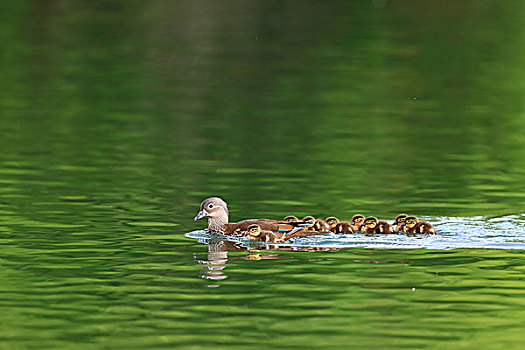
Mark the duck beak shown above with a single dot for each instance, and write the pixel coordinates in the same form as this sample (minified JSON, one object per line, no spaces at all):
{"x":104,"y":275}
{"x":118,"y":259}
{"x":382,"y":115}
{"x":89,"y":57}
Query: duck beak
{"x":200,"y":215}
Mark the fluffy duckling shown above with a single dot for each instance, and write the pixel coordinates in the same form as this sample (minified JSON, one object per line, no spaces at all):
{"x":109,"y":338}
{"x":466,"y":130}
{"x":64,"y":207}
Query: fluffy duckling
{"x":343,"y":227}
{"x":217,"y":212}
{"x":332,"y":222}
{"x":291,"y":218}
{"x":398,"y":223}
{"x":357,"y":222}
{"x":413,"y":225}
{"x":318,"y":224}
{"x":255,"y":233}
{"x":321,"y":226}
{"x":372,"y":225}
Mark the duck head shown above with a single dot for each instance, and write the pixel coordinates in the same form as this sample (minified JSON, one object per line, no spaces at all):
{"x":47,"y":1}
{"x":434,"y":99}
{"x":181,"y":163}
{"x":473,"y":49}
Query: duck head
{"x":254,"y":231}
{"x":217,"y":212}
{"x":410,"y":221}
{"x":332,"y":221}
{"x":400,"y":219}
{"x":358,"y":219}
{"x":310,"y":220}
{"x":370,"y":222}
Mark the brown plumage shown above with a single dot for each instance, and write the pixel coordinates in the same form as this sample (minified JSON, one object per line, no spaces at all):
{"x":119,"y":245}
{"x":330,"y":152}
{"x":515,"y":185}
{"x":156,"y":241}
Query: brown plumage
{"x":321,"y":226}
{"x":332,"y":221}
{"x":357,"y":221}
{"x":372,"y":225}
{"x":217,"y":212}
{"x":413,"y":225}
{"x":398,"y":223}
{"x":343,"y":227}
{"x":303,"y":233}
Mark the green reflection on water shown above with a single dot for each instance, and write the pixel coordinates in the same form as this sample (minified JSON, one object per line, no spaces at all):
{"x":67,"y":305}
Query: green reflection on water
{"x":118,"y":118}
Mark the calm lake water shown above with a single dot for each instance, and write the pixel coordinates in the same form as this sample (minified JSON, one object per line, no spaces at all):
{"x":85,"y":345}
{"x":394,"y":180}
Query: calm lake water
{"x":119,"y":117}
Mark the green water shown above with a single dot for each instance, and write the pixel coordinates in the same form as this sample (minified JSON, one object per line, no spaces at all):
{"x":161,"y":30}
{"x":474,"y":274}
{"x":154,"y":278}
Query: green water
{"x":119,"y":117}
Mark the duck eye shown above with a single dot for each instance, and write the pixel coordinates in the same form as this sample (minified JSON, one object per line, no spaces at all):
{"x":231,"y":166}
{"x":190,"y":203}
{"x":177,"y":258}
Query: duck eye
{"x":210,"y":206}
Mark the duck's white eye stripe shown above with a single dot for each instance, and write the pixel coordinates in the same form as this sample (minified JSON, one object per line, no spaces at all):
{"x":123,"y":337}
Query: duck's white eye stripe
{"x":210,"y":206}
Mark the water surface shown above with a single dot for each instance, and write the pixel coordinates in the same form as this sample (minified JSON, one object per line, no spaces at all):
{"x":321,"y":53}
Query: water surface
{"x":119,"y":117}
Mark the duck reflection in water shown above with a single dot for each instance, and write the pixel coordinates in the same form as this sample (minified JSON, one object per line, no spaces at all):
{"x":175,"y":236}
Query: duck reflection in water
{"x":217,"y":257}
{"x":216,"y":260}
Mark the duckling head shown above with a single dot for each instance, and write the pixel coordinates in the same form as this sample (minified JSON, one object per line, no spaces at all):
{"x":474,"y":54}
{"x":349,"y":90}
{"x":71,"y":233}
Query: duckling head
{"x":358,"y":219}
{"x":332,"y":221}
{"x":370,"y":222}
{"x":254,"y":231}
{"x":291,"y":218}
{"x":310,"y":220}
{"x":400,"y":218}
{"x":410,"y":221}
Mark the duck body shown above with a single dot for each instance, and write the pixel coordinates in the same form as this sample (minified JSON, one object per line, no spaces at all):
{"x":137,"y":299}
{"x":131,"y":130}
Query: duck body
{"x":425,"y":228}
{"x":303,"y":233}
{"x":255,"y":233}
{"x":384,"y":227}
{"x":321,"y":226}
{"x":343,"y":227}
{"x":240,"y":228}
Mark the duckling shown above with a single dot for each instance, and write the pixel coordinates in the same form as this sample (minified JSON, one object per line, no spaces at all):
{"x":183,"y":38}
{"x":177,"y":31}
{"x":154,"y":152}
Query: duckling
{"x":317,"y":225}
{"x":372,"y":225}
{"x":400,"y":219}
{"x":357,"y":222}
{"x":321,"y":226}
{"x":343,"y":227}
{"x":332,"y":222}
{"x":255,"y":233}
{"x":291,"y":218}
{"x":413,"y":225}
{"x":217,"y":212}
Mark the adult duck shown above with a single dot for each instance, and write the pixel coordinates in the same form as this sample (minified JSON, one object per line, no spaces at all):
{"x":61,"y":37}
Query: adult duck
{"x":216,"y":210}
